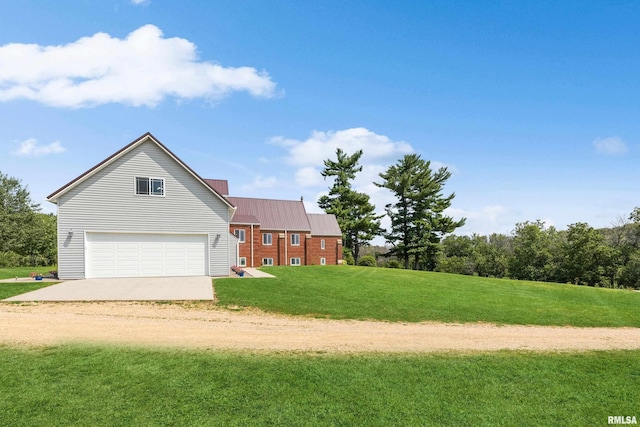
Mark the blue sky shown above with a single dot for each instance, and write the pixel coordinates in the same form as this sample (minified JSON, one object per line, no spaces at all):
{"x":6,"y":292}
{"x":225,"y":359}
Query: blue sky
{"x":533,"y":106}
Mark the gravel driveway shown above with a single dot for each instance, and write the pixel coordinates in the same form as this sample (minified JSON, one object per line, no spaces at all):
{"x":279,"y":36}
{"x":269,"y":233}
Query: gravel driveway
{"x":204,"y":326}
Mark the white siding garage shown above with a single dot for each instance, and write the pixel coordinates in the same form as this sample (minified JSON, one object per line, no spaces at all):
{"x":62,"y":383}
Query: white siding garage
{"x":145,"y":255}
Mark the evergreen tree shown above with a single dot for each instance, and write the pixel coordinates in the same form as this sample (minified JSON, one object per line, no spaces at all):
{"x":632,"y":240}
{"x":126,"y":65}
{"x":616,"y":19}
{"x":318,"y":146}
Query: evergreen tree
{"x":353,"y":210}
{"x":417,"y":220}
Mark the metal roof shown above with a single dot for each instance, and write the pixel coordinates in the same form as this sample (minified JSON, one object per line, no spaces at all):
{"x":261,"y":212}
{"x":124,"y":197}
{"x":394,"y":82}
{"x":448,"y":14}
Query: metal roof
{"x":324,"y":225}
{"x":220,"y":185}
{"x":273,"y":214}
{"x":244,"y":219}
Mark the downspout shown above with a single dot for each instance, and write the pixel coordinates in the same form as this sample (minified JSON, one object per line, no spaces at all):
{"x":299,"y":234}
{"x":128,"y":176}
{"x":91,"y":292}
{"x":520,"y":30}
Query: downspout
{"x":286,"y":245}
{"x":252,"y":245}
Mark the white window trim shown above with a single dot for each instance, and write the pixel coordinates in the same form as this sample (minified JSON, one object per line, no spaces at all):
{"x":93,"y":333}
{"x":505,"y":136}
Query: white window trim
{"x":268,"y":263}
{"x":240,"y":231}
{"x":298,"y":238}
{"x":135,"y":186}
{"x":242,"y":261}
{"x":322,"y":244}
{"x":270,"y":239}
{"x":323,"y":261}
{"x":298,"y":262}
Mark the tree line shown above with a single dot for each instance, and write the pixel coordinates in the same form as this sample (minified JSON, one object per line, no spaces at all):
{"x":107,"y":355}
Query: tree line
{"x":581,"y":254}
{"x":420,"y":236}
{"x":27,"y":236}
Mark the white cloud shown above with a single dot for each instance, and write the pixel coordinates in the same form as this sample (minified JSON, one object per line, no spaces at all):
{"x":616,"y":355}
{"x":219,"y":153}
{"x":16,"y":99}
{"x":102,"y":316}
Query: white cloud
{"x":610,"y":146}
{"x":142,"y":69}
{"x":309,"y":177}
{"x":30,"y":148}
{"x":487,"y":220}
{"x":322,"y":145}
{"x":140,"y":2}
{"x":260,"y":182}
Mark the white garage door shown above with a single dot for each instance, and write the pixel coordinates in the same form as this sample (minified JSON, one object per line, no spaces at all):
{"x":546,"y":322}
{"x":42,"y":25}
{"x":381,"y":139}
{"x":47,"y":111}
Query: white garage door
{"x":145,"y":255}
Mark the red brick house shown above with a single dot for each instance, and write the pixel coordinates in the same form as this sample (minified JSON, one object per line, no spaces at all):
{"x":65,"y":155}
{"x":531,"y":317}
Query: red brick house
{"x":280,"y":232}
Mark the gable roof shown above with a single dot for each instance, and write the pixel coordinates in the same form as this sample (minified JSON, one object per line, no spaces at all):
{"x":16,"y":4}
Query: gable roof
{"x":272,"y":214}
{"x":244,"y":219}
{"x":220,"y":185}
{"x":147,"y":137}
{"x":324,"y":225}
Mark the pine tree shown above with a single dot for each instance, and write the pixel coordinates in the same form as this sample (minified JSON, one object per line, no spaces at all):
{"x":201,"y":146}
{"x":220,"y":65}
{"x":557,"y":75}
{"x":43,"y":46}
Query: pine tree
{"x":417,"y":220}
{"x":353,"y":210}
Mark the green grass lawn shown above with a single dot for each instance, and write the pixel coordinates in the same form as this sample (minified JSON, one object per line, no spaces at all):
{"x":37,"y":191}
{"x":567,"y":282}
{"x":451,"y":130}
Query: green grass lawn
{"x":85,"y":385}
{"x":342,"y":292}
{"x":10,"y":289}
{"x":13,"y":272}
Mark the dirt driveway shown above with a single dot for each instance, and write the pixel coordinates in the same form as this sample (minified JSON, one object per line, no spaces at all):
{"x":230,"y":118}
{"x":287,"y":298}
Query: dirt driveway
{"x":215,"y":328}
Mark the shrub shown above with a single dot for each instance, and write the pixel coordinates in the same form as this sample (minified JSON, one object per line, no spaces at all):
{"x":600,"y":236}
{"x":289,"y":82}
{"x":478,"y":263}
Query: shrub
{"x":347,"y":257}
{"x":367,"y":261}
{"x":10,"y":259}
{"x":393,"y":263}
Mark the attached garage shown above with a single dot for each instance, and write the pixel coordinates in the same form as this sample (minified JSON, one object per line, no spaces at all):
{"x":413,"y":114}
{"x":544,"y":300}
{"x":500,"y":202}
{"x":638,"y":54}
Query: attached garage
{"x":145,"y":255}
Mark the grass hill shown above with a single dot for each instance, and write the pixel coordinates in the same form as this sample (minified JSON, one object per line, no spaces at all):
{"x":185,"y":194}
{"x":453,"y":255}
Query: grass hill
{"x":347,"y":292}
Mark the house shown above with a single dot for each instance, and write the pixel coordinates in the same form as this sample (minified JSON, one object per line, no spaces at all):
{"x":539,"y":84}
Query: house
{"x":142,"y":212}
{"x":280,"y":232}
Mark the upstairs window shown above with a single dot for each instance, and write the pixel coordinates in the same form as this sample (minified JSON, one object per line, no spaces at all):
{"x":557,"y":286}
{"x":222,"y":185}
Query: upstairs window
{"x":149,"y":186}
{"x":295,"y":240}
{"x":239,"y":234}
{"x":322,"y":244}
{"x":266,"y":239}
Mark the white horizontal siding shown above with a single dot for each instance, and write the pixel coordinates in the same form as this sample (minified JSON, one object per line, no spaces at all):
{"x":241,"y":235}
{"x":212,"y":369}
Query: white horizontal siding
{"x":106,"y":201}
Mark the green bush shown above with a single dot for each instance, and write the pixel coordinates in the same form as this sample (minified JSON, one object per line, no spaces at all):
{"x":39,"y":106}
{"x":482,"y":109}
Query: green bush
{"x":393,"y":263}
{"x":347,"y":257}
{"x":10,"y":259}
{"x":367,"y":261}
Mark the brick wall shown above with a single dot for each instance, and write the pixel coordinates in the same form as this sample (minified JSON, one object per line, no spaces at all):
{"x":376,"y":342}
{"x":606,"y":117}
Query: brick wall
{"x":332,"y":252}
{"x":309,"y":250}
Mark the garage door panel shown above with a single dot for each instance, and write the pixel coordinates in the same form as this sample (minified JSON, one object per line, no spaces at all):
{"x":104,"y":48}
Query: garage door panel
{"x":145,"y":255}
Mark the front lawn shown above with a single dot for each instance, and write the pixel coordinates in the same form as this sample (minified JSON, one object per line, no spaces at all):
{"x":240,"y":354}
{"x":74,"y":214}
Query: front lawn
{"x":13,"y":272}
{"x":10,"y":289}
{"x":342,"y":292}
{"x":85,"y":385}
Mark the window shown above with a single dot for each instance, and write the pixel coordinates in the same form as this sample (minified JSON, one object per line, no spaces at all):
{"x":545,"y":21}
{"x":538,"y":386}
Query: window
{"x":267,"y":261}
{"x":322,"y":244}
{"x":149,"y":186}
{"x":266,"y":238}
{"x":243,"y":261}
{"x":295,"y":261}
{"x":295,"y":240}
{"x":239,"y":233}
{"x":323,"y":261}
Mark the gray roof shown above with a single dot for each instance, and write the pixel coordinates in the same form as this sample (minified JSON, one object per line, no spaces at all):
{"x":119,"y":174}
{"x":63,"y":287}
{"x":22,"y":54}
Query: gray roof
{"x":324,"y":225}
{"x":272,"y":214}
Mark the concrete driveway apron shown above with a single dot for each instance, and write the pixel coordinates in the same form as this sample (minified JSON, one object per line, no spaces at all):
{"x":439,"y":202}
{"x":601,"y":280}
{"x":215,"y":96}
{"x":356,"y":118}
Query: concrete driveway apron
{"x":124,"y":289}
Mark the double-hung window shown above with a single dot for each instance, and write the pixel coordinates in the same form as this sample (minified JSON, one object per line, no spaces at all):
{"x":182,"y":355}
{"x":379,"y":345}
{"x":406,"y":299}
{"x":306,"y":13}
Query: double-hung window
{"x":149,"y":186}
{"x":239,"y":233}
{"x":266,"y":239}
{"x":295,"y":240}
